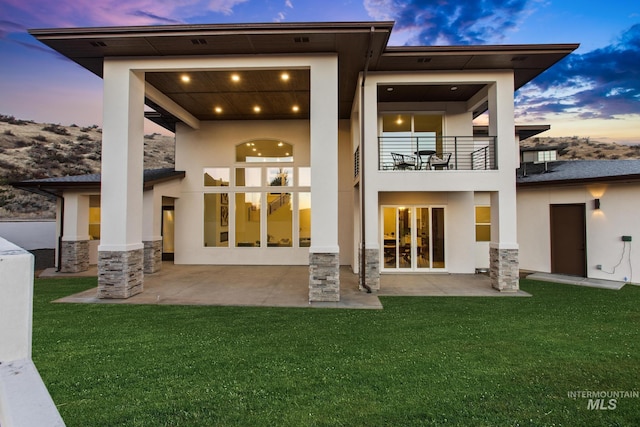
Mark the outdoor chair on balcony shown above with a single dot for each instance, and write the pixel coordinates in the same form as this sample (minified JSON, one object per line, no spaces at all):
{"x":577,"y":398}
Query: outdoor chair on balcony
{"x":403,"y":162}
{"x":436,"y":162}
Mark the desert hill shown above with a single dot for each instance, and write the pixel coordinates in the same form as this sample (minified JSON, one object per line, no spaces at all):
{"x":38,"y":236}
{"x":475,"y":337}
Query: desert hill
{"x":30,"y":150}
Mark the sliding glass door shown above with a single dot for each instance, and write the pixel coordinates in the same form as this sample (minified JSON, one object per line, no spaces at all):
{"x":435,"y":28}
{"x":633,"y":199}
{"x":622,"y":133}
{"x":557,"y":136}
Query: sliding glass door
{"x":413,"y":238}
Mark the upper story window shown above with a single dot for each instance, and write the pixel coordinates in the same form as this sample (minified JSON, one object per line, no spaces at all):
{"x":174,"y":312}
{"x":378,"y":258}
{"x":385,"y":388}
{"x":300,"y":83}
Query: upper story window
{"x":412,"y":125}
{"x":264,"y":150}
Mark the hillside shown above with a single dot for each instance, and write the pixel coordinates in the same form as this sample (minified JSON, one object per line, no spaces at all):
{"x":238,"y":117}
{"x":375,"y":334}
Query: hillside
{"x":574,"y":148}
{"x":30,"y":150}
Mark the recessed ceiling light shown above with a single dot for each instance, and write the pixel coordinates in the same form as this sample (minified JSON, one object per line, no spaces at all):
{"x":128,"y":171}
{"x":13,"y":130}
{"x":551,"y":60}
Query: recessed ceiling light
{"x":454,"y":87}
{"x":295,"y":108}
{"x":280,"y":144}
{"x":218,"y":110}
{"x":185,"y":78}
{"x":286,"y":154}
{"x":254,"y":149}
{"x":389,"y":89}
{"x":256,"y":109}
{"x":235,"y":77}
{"x":284,"y":76}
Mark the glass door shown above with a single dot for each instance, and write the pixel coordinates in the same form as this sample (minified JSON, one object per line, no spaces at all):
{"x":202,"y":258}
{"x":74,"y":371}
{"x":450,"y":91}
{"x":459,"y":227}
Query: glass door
{"x":413,"y":238}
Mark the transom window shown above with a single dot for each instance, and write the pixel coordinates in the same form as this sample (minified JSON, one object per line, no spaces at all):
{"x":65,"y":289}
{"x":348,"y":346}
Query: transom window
{"x":264,"y":150}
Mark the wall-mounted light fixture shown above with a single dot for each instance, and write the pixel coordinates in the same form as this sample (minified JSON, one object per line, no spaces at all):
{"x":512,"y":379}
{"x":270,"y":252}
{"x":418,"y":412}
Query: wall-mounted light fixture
{"x":596,"y":204}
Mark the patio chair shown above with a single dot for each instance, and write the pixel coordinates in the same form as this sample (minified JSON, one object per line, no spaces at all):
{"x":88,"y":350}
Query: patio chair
{"x":436,"y":162}
{"x":403,"y":162}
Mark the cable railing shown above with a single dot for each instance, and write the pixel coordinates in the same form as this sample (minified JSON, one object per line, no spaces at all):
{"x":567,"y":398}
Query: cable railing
{"x":437,"y":153}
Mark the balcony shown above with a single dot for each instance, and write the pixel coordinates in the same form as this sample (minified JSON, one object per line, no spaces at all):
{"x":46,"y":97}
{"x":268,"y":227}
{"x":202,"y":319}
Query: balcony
{"x":412,"y":153}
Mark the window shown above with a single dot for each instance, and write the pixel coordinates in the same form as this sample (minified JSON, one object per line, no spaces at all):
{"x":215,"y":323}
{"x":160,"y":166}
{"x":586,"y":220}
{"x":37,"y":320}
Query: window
{"x":483,"y":223}
{"x":262,"y":205}
{"x":94,"y":217}
{"x":264,"y":150}
{"x":216,"y":177}
{"x":216,"y":219}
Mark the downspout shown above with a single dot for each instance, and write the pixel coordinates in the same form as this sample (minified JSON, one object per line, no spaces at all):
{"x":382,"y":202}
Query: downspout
{"x":363,"y":261}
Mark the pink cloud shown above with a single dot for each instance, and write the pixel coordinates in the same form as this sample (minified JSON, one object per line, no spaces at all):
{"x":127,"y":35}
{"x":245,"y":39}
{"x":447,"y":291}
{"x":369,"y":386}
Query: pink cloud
{"x":79,"y":13}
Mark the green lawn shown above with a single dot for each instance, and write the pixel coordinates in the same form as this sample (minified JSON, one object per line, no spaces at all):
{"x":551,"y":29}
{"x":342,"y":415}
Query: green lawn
{"x":420,"y":361}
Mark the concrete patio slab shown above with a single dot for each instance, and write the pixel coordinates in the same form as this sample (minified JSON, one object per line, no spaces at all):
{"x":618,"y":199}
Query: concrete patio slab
{"x":280,"y":286}
{"x":579,"y":281}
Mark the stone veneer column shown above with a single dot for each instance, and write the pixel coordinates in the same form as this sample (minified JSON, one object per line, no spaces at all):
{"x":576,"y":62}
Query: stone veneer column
{"x":152,"y":256}
{"x":372,"y":269}
{"x":74,"y":256}
{"x":504,"y":271}
{"x":324,"y":277}
{"x":120,"y":273}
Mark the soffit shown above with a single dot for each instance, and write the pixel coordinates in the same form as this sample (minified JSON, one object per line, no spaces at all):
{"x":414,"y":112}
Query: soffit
{"x":526,"y":61}
{"x":350,"y":41}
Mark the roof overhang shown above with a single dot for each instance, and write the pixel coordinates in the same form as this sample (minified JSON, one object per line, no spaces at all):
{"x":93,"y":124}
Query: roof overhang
{"x":353,"y":42}
{"x":57,"y":186}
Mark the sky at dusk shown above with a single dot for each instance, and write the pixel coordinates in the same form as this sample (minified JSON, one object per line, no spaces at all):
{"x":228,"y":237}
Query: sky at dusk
{"x":594,"y":93}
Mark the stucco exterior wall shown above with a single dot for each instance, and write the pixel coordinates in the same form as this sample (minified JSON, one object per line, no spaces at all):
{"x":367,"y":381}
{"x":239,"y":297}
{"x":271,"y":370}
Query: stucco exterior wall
{"x":604,"y":227}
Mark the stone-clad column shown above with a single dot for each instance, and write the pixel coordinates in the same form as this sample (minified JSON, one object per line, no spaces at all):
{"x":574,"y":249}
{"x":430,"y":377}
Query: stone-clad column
{"x":121,"y":252}
{"x":324,"y":262}
{"x":504,"y":271}
{"x":74,"y":248}
{"x":75,"y":256}
{"x":152,"y":256}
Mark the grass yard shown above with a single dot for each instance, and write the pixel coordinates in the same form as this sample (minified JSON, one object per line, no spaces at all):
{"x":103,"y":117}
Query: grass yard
{"x":420,"y":361}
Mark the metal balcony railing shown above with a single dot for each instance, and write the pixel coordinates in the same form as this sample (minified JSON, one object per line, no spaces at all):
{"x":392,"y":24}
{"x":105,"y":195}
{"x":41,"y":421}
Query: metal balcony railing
{"x":437,"y":153}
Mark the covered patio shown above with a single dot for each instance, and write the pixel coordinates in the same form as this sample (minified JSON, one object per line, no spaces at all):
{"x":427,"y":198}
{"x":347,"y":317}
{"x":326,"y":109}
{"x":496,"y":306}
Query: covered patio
{"x":279,"y":286}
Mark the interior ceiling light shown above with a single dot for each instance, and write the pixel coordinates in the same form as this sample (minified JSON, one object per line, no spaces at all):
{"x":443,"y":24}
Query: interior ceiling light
{"x":280,"y":144}
{"x":389,"y":89}
{"x":257,"y":109}
{"x":218,"y":110}
{"x":235,"y":77}
{"x":185,"y":78}
{"x":454,"y":87}
{"x":295,"y":108}
{"x":284,"y":76}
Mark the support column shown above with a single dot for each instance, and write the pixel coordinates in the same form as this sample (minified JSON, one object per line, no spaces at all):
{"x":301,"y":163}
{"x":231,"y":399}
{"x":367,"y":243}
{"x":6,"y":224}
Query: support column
{"x":151,"y":237}
{"x":370,"y":208}
{"x":75,"y":241}
{"x":121,"y":253}
{"x":324,"y":261}
{"x":503,"y":250}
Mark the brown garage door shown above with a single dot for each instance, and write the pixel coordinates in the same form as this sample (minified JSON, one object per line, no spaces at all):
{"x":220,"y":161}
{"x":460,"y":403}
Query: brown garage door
{"x":568,"y":255}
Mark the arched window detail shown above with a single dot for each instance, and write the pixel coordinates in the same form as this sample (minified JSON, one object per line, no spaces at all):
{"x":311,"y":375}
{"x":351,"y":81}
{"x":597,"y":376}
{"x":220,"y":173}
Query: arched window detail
{"x":264,"y":150}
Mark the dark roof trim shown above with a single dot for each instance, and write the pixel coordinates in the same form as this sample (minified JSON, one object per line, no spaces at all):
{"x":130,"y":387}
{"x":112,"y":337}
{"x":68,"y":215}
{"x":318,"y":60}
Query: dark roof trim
{"x":53,"y":186}
{"x":515,"y":49}
{"x":213,"y":29}
{"x":580,"y":181}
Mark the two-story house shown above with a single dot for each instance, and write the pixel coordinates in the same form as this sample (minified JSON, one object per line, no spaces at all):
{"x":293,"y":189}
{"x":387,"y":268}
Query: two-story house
{"x":300,"y":143}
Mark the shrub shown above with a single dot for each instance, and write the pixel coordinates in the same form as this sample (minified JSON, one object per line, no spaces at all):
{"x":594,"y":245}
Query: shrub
{"x":40,"y":138}
{"x":8,"y":132}
{"x":57,"y":129}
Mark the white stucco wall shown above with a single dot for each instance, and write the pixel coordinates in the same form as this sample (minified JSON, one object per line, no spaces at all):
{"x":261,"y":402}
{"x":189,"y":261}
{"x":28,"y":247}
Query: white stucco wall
{"x":605,"y":227}
{"x":24,"y":399}
{"x":30,"y":235}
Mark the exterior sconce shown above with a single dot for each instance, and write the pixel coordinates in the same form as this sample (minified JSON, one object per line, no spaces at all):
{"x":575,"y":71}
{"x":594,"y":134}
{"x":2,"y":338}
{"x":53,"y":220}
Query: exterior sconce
{"x":596,"y":204}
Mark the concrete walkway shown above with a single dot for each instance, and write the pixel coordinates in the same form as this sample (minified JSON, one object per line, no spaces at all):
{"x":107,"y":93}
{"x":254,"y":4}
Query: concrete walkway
{"x":280,"y":286}
{"x":574,"y":280}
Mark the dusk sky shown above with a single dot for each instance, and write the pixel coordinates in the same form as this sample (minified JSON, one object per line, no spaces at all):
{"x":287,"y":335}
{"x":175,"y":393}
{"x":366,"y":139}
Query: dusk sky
{"x":593,"y":93}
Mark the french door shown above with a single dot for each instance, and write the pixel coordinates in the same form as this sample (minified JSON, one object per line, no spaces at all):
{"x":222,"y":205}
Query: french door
{"x":413,"y":238}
